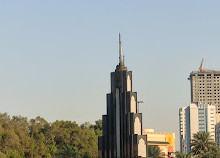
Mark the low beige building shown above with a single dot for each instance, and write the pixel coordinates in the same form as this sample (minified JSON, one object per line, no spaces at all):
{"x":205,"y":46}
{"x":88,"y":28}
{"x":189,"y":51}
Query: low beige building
{"x":165,"y":141}
{"x":217,"y":117}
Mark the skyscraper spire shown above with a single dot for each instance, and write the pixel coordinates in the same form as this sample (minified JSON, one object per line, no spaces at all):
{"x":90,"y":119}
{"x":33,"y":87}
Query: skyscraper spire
{"x":120,"y":49}
{"x":121,"y":65}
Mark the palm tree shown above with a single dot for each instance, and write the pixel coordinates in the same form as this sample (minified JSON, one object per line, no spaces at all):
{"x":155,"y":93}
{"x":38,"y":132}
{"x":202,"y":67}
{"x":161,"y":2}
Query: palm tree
{"x":183,"y":155}
{"x":213,"y":152}
{"x":154,"y":152}
{"x":202,"y":143}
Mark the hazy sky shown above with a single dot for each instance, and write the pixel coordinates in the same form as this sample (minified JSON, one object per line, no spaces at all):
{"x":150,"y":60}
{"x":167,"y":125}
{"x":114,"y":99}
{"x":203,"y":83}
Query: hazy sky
{"x":56,"y":56}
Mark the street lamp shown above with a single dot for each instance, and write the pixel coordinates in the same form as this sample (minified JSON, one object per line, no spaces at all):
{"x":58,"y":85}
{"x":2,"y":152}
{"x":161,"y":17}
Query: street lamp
{"x":138,"y":105}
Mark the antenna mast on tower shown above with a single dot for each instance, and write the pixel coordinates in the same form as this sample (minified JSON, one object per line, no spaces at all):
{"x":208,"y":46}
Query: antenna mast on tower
{"x":120,"y":49}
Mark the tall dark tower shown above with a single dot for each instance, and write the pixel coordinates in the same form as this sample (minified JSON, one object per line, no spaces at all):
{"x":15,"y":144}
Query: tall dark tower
{"x":122,"y":126}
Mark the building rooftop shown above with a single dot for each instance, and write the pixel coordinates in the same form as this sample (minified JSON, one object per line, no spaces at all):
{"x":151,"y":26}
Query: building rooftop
{"x":151,"y":131}
{"x":157,"y":142}
{"x":206,"y":71}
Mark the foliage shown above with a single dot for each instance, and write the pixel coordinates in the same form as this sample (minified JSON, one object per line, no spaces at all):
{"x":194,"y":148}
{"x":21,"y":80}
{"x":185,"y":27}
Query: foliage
{"x":183,"y":155}
{"x":204,"y":146}
{"x":154,"y":152}
{"x":68,"y":151}
{"x":20,"y":138}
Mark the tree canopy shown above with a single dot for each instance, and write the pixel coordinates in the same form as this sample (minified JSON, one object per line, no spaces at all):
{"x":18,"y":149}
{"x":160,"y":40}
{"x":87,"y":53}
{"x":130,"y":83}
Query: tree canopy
{"x":202,"y":146}
{"x":154,"y":152}
{"x":37,"y":138}
{"x":183,"y":155}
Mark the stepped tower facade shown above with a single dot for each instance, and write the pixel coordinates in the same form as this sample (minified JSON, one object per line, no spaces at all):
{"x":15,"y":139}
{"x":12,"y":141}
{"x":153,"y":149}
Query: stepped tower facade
{"x":122,"y":126}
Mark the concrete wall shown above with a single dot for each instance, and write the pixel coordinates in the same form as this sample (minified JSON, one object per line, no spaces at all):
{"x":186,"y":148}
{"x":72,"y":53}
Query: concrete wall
{"x":182,"y":128}
{"x":211,"y":120}
{"x":192,"y":125}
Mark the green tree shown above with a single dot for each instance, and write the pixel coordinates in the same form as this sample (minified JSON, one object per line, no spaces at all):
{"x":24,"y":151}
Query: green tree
{"x":68,"y":151}
{"x":213,"y":152}
{"x":37,"y":138}
{"x":154,"y":152}
{"x":98,"y":125}
{"x":36,"y":126}
{"x":13,"y":154}
{"x":88,"y":146}
{"x":202,"y":144}
{"x":183,"y":155}
{"x":2,"y":155}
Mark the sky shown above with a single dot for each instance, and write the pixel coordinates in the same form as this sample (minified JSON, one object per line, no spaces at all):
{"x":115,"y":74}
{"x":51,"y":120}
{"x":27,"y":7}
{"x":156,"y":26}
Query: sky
{"x":56,"y":56}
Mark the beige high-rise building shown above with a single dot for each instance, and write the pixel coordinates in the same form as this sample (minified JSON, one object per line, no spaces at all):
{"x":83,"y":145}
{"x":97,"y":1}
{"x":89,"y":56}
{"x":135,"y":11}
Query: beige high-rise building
{"x":195,"y":118}
{"x":205,"y":87}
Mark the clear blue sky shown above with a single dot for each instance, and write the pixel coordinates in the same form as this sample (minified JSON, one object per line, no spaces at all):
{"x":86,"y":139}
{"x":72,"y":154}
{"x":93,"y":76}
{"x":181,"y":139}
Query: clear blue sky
{"x":56,"y":56}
